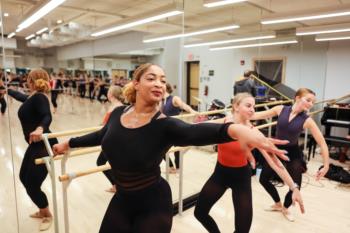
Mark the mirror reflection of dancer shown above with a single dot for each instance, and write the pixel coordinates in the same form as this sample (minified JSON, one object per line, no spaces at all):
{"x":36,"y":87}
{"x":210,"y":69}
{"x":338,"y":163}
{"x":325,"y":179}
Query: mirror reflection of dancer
{"x":2,"y":97}
{"x":135,"y":139}
{"x":116,"y":98}
{"x":234,"y":172}
{"x":292,"y":120}
{"x":173,"y":106}
{"x":35,"y":117}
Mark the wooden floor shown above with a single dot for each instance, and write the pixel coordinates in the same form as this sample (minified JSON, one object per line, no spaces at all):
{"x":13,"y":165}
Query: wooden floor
{"x":327,"y":203}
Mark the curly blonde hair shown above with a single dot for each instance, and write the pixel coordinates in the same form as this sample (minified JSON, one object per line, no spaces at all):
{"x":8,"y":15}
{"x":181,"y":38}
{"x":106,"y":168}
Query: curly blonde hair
{"x":129,"y":90}
{"x":40,"y":80}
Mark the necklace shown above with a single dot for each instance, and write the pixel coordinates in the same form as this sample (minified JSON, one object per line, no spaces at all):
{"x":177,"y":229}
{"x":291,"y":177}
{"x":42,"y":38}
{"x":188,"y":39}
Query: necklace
{"x":135,"y":119}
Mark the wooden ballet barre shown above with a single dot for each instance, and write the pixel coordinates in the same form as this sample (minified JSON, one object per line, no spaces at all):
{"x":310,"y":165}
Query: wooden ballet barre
{"x":275,"y":122}
{"x":84,"y":151}
{"x":74,"y":153}
{"x":73,"y":175}
{"x":72,"y":132}
{"x":229,"y":109}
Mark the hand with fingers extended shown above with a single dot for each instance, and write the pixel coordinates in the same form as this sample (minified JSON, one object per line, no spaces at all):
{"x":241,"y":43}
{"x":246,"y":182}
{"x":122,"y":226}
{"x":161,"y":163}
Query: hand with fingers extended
{"x":250,"y":138}
{"x":60,"y":148}
{"x":296,"y":197}
{"x":322,"y":172}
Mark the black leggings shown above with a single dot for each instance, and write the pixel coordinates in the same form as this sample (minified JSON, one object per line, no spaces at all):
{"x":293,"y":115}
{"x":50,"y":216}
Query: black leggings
{"x":54,"y":94}
{"x":177,"y":160}
{"x":32,"y":176}
{"x":3,"y":104}
{"x":239,"y":180}
{"x":102,"y":160}
{"x":146,"y":210}
{"x":295,"y":168}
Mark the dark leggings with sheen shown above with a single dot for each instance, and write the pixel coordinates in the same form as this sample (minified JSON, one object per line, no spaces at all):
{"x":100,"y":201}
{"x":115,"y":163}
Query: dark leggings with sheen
{"x":3,"y":105}
{"x":142,"y":211}
{"x":295,"y":169}
{"x":32,"y":176}
{"x":239,"y":181}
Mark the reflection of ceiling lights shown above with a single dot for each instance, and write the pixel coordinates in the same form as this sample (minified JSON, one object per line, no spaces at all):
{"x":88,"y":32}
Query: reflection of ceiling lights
{"x":235,"y":39}
{"x":302,"y":16}
{"x":30,"y":37}
{"x":216,"y":3}
{"x":40,"y":13}
{"x":151,"y":16}
{"x":12,"y":34}
{"x":59,"y":21}
{"x":193,"y":33}
{"x":336,"y":36}
{"x":345,"y":27}
{"x":270,"y":43}
{"x":6,"y":14}
{"x":42,"y":30}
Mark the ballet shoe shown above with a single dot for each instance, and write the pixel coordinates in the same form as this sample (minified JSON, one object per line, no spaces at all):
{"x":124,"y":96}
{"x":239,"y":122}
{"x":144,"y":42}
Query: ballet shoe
{"x":36,"y":215}
{"x":45,"y":223}
{"x":273,"y":208}
{"x":288,"y":215}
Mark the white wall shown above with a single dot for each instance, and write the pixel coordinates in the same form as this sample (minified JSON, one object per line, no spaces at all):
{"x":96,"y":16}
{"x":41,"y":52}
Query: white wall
{"x":338,"y":69}
{"x":305,"y":66}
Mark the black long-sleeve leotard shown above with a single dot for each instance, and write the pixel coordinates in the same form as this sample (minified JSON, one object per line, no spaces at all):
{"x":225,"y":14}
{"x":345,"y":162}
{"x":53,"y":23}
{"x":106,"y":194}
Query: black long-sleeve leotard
{"x":34,"y":112}
{"x":135,"y":154}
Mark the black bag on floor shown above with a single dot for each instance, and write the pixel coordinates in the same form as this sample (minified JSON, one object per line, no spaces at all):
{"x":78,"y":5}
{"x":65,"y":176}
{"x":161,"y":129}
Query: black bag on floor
{"x":337,"y":173}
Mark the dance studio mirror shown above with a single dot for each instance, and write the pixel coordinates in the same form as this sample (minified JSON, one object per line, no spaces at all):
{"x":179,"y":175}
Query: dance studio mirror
{"x":203,"y":52}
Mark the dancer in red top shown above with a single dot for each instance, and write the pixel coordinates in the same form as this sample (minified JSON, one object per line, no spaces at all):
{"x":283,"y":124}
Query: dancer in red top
{"x":232,"y":171}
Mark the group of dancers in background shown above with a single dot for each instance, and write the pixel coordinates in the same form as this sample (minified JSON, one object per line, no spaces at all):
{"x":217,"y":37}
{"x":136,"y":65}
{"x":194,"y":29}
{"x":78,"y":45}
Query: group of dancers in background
{"x":136,"y":136}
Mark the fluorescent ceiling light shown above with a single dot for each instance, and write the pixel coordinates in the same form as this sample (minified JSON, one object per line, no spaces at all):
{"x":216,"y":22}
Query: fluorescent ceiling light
{"x":146,"y":18}
{"x":59,"y":21}
{"x":42,"y":30}
{"x":257,"y":36}
{"x":278,"y":18}
{"x":6,"y":14}
{"x":337,"y":36}
{"x":193,"y":33}
{"x":12,"y":34}
{"x":40,"y":13}
{"x":221,"y":3}
{"x":345,"y":27}
{"x":333,"y":38}
{"x":30,"y":37}
{"x":276,"y":42}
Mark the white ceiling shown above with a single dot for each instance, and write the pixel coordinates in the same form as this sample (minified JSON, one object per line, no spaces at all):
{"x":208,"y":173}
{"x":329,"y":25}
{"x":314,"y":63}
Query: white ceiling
{"x":97,"y":14}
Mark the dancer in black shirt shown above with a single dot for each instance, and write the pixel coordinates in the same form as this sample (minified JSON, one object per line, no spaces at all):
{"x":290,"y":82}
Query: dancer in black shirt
{"x":135,"y":139}
{"x":35,"y":117}
{"x":2,"y":97}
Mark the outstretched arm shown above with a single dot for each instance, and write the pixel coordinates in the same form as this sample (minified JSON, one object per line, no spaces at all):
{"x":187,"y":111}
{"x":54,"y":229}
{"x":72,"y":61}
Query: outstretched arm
{"x":316,"y":133}
{"x":275,"y":111}
{"x":17,"y":95}
{"x":177,"y":102}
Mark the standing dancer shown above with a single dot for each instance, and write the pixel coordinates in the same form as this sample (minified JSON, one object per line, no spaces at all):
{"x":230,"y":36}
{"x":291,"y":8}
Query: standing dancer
{"x":35,"y":117}
{"x":172,"y":106}
{"x":115,"y":96}
{"x":135,"y":139}
{"x":292,"y":120}
{"x":232,"y":171}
